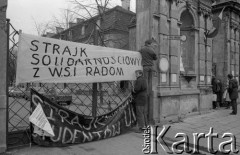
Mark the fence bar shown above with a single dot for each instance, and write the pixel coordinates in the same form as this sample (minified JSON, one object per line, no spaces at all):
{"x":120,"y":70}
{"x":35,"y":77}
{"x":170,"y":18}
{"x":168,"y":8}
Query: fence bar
{"x":94,"y":100}
{"x":94,"y":86}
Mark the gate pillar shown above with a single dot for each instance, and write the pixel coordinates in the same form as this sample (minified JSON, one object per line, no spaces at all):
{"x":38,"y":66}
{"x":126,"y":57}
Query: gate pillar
{"x":3,"y":77}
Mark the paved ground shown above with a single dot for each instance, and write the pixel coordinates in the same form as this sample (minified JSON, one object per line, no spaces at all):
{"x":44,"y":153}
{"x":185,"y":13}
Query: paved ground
{"x":131,"y":143}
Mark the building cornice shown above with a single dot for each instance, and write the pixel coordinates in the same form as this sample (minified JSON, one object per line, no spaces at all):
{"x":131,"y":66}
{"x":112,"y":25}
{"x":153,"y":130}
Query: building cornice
{"x":229,"y":5}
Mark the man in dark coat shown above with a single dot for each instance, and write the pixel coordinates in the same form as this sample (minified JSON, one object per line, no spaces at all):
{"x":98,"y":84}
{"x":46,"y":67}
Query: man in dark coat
{"x":220,"y":93}
{"x":216,"y":90}
{"x":233,"y":93}
{"x":148,"y":56}
{"x":140,"y":99}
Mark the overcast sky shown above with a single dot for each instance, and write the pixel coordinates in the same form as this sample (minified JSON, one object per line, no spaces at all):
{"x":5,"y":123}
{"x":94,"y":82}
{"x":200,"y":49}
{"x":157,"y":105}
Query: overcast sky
{"x":22,"y":13}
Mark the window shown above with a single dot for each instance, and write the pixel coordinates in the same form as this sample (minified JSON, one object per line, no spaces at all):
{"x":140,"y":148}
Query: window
{"x":70,"y":34}
{"x":98,"y":23}
{"x":83,"y":30}
{"x":61,"y":37}
{"x":188,"y":46}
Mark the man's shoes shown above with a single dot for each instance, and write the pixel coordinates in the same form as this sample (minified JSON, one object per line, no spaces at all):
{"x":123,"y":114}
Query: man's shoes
{"x":227,"y":107}
{"x":232,"y":113}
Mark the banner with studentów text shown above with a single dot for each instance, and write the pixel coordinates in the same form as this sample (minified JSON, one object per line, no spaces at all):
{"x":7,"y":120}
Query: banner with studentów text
{"x":72,"y":128}
{"x":42,"y":59}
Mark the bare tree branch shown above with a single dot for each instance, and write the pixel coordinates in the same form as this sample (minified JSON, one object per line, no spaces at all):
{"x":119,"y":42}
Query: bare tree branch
{"x":43,"y":27}
{"x":37,"y":26}
{"x":89,"y":37}
{"x":81,"y":8}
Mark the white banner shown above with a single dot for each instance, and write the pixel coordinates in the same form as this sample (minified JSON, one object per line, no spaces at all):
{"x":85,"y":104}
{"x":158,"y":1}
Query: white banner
{"x":48,"y":60}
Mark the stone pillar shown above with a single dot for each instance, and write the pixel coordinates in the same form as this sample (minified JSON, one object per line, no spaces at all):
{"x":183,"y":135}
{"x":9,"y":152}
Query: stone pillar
{"x":3,"y":76}
{"x":144,"y":18}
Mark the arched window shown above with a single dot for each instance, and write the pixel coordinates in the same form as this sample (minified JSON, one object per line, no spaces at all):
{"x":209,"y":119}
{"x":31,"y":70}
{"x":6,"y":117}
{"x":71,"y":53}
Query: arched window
{"x":188,"y":46}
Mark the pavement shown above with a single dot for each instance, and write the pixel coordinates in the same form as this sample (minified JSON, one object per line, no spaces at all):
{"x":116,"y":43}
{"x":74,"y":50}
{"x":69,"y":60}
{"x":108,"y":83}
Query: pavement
{"x":131,"y":143}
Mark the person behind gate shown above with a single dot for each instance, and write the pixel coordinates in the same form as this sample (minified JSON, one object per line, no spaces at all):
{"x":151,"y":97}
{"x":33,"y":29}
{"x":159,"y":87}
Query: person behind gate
{"x":140,"y":100}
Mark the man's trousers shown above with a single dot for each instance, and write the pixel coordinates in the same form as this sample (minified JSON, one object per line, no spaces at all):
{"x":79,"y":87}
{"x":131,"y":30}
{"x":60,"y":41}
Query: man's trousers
{"x":234,"y":106}
{"x":141,"y":112}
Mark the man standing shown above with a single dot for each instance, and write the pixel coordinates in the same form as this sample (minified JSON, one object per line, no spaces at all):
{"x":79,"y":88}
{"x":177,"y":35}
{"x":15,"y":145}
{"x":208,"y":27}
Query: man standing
{"x":233,"y":93}
{"x":220,"y":93}
{"x":216,"y":90}
{"x":140,"y":99}
{"x":148,"y":56}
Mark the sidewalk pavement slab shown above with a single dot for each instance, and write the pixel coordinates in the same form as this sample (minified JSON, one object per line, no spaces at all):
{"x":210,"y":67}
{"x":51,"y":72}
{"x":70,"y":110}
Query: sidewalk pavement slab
{"x":126,"y":144}
{"x":131,"y":143}
{"x":220,"y":120}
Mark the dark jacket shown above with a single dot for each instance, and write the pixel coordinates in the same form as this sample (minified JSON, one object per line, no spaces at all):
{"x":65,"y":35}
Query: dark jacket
{"x":233,"y":89}
{"x":140,"y":91}
{"x":216,"y":86}
{"x":148,"y":55}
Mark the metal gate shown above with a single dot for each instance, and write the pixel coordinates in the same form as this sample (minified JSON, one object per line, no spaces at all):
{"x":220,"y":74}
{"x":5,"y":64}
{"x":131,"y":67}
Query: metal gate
{"x":88,"y":99}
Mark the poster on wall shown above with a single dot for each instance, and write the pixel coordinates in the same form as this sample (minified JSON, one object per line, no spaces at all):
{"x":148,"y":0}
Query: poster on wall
{"x":42,"y":59}
{"x":72,"y":128}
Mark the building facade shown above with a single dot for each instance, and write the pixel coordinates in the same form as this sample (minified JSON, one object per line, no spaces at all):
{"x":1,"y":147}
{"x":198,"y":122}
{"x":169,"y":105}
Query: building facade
{"x":111,"y":26}
{"x":226,"y":43}
{"x":181,"y":82}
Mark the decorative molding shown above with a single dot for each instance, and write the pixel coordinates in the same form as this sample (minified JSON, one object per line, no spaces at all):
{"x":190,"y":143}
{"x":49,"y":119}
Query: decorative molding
{"x":204,"y":9}
{"x":205,"y":12}
{"x":177,"y":92}
{"x":227,"y":13}
{"x":191,"y":28}
{"x":179,"y":2}
{"x":179,"y":23}
{"x":188,"y":78}
{"x":234,"y":24}
{"x":188,"y":5}
{"x":156,"y":15}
